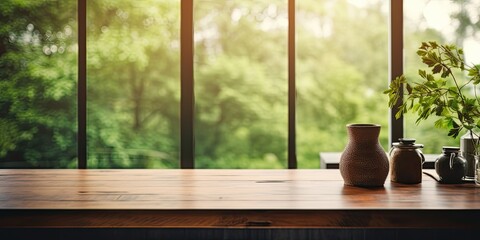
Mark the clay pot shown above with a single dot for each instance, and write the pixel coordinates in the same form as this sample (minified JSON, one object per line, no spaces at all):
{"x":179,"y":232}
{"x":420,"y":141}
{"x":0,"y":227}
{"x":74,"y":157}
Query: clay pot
{"x":406,"y":161}
{"x":364,"y":162}
{"x":450,"y":166}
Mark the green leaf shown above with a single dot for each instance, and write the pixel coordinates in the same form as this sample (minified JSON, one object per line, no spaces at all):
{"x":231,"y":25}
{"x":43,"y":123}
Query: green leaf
{"x":424,"y":46}
{"x":439,"y":123}
{"x":421,"y":52}
{"x":449,"y":122}
{"x":428,"y":61}
{"x":453,"y":132}
{"x":472,"y":72}
{"x":416,"y":107}
{"x":431,"y":84}
{"x":411,"y":105}
{"x":453,"y":104}
{"x":438,"y":110}
{"x":409,"y":88}
{"x":444,"y":123}
{"x":441,"y":82}
{"x":398,"y":114}
{"x":445,"y":72}
{"x":476,"y":80}
{"x":430,"y":77}
{"x":453,"y":90}
{"x":437,"y":68}
{"x":422,"y":73}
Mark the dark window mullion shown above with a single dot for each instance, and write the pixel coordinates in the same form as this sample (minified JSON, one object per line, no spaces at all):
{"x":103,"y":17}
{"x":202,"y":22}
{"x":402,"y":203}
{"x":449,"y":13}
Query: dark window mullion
{"x":396,"y":63}
{"x":292,"y":150}
{"x":82,"y":84}
{"x":187,"y":100}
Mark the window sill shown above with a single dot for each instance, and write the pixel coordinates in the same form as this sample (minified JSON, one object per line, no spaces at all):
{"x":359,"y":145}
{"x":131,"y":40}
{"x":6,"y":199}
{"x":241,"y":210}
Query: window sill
{"x":330,"y":160}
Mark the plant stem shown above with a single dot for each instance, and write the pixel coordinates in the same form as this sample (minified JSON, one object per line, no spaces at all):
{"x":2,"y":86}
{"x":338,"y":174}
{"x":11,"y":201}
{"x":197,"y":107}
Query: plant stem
{"x":475,"y":92}
{"x":456,"y":84}
{"x":449,"y":53}
{"x":475,"y":140}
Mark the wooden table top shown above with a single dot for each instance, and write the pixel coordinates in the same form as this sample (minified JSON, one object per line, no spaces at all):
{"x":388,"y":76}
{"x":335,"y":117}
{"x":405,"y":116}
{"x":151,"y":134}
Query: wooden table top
{"x":209,"y":198}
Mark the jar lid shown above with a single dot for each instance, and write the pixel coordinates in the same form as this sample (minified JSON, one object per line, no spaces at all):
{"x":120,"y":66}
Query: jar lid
{"x":407,"y":143}
{"x":450,"y":149}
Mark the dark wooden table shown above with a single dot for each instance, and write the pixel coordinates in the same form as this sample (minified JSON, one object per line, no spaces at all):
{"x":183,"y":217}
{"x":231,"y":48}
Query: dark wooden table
{"x":227,"y":199}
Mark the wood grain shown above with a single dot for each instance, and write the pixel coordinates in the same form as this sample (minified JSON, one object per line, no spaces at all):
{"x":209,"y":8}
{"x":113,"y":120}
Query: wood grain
{"x":227,"y":198}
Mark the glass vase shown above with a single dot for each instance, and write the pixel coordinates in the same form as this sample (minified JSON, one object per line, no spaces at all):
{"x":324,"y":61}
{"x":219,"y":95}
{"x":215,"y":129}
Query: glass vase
{"x":477,"y":169}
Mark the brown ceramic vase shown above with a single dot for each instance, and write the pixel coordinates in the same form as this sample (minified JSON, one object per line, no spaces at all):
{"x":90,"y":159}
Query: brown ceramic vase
{"x":364,"y":162}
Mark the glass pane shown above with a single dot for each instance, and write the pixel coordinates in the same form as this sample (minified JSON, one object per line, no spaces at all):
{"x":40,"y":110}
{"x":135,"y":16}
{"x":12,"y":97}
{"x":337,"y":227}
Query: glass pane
{"x":342,"y":70}
{"x":447,"y":22}
{"x":241,"y":83}
{"x":133,"y":83}
{"x":38,"y":77}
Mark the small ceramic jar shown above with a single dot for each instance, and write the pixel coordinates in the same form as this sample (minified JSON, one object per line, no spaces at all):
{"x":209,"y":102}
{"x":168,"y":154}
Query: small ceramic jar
{"x":406,"y":161}
{"x":450,"y":166}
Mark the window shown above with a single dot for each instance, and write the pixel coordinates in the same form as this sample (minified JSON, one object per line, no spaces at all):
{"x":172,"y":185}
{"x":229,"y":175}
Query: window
{"x":442,"y":21}
{"x":208,"y":83}
{"x":342,"y":67}
{"x":241,"y":83}
{"x":133,"y":79}
{"x":38,"y":78}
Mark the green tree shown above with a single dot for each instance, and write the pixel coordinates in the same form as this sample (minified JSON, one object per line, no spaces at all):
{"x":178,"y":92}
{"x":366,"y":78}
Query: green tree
{"x":418,"y":31}
{"x":133,"y":83}
{"x":241,"y":86}
{"x":37,"y":84}
{"x":336,"y":84}
{"x":240,"y":80}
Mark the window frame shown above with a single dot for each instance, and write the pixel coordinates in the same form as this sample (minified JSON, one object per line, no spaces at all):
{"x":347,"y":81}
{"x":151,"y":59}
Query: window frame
{"x":187,"y":101}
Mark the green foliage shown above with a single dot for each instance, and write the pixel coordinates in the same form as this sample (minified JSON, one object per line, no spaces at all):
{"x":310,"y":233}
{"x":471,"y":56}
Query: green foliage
{"x":440,"y":92}
{"x":37,"y":84}
{"x":240,"y":81}
{"x":232,"y":96}
{"x":133,"y":88}
{"x":336,"y":85}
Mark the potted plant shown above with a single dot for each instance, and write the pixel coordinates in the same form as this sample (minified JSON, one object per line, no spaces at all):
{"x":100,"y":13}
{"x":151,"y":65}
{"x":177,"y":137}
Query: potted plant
{"x":440,"y":92}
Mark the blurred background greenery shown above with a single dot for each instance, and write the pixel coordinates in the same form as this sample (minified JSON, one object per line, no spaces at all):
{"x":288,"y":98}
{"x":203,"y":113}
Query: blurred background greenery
{"x":241,"y":87}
